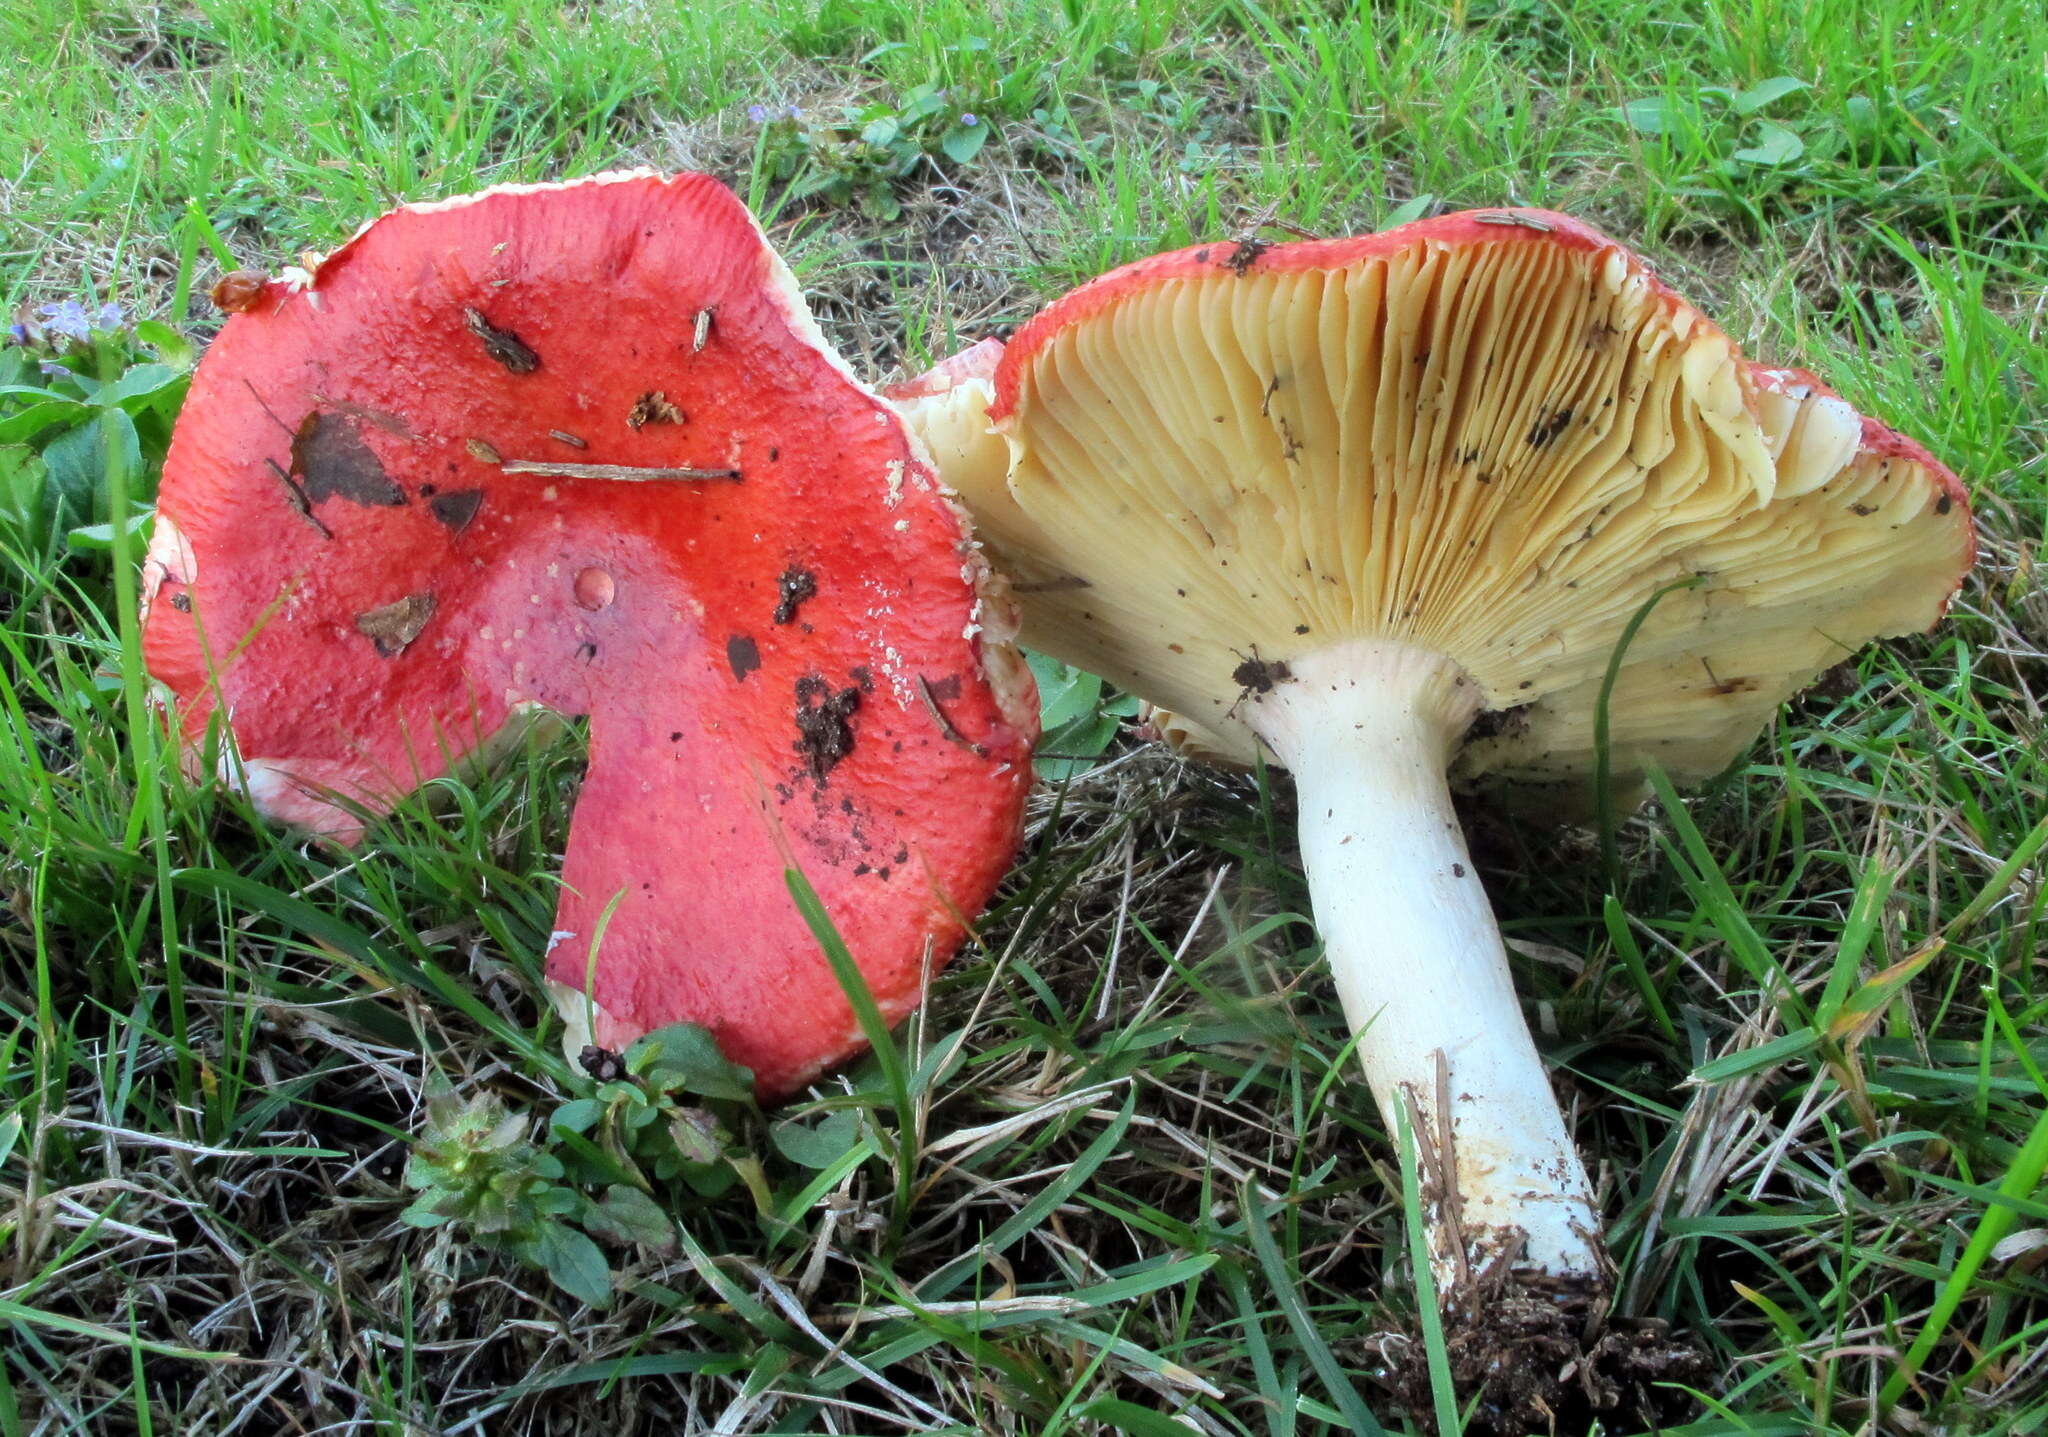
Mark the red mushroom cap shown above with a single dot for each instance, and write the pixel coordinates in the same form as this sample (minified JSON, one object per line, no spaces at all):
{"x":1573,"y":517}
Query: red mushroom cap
{"x":441,"y":484}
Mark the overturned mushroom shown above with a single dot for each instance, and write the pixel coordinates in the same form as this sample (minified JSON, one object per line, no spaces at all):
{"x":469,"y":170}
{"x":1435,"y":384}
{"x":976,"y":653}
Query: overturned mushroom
{"x":1382,"y":509}
{"x":491,"y":460}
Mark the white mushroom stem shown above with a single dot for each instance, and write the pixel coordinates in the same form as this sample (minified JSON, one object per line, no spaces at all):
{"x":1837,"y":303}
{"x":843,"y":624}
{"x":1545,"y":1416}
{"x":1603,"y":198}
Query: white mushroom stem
{"x":1368,"y":729}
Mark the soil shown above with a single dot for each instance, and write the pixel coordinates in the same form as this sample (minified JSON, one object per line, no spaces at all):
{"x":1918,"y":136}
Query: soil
{"x":796,"y":586}
{"x":1257,"y":675}
{"x":824,"y":734}
{"x":1542,"y":1356}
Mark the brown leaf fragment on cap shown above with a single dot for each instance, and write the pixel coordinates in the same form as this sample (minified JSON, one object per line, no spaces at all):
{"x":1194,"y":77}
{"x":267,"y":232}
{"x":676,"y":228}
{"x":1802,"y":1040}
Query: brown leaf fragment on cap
{"x":331,"y":460}
{"x":501,"y":344}
{"x":569,"y":439}
{"x":456,"y":507}
{"x":393,"y":626}
{"x":482,"y":452}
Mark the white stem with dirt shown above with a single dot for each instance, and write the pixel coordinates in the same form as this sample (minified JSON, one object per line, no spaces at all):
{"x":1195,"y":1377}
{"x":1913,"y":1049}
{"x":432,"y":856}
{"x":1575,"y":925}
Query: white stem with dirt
{"x":1368,"y":729}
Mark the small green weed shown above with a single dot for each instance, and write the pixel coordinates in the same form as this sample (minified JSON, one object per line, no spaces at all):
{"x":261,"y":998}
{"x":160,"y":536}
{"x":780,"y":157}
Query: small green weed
{"x":664,"y":1112}
{"x":64,"y":374}
{"x":1078,"y":717}
{"x":862,"y":153}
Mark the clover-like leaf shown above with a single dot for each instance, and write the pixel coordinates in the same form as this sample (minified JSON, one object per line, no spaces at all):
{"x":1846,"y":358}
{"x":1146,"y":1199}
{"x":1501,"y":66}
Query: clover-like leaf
{"x":1775,"y":145}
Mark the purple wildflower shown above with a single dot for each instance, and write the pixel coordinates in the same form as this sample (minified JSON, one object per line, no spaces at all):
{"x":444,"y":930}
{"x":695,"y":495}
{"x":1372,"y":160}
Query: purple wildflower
{"x":758,"y":114}
{"x":970,"y":119}
{"x":17,"y":334}
{"x":111,"y":316}
{"x":68,"y":319}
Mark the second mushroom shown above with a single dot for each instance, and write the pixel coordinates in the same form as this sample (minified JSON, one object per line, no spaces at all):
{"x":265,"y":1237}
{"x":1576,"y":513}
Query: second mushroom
{"x":1381,"y":510}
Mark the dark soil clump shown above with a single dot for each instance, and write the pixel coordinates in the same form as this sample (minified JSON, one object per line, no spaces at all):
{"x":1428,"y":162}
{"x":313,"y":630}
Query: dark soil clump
{"x":1545,"y":1360}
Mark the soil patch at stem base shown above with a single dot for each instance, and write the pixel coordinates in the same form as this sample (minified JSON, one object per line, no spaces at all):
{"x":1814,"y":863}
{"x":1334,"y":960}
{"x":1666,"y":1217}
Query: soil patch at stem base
{"x":1541,"y":1357}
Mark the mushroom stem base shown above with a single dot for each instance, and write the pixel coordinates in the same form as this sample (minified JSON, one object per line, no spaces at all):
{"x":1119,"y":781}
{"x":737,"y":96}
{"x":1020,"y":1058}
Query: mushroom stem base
{"x":1368,"y":729}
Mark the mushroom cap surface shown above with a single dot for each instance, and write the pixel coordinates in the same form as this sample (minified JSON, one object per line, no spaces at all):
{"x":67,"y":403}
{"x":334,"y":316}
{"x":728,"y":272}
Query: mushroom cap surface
{"x":392,"y":522}
{"x":1495,"y":435}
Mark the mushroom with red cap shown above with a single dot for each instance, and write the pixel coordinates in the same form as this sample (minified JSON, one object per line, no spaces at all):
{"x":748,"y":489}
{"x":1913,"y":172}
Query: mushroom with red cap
{"x":1382,"y":509}
{"x":580,"y":448}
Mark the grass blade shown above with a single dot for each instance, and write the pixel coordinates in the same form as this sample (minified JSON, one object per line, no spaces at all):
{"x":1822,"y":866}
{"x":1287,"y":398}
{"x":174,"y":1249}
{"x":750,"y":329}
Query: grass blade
{"x":1335,"y":1381}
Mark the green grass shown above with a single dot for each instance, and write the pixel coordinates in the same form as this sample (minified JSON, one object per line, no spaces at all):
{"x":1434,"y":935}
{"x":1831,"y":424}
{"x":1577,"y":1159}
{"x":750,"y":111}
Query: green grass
{"x":1124,"y":1122}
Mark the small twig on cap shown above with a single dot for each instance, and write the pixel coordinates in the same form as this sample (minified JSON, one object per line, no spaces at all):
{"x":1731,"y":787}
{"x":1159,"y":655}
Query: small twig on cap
{"x":1518,"y":221}
{"x":295,"y":495}
{"x":559,"y":470}
{"x":953,"y":735}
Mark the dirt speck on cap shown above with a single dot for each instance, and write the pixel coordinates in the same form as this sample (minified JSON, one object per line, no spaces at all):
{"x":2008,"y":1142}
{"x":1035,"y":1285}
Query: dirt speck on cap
{"x":1244,"y":254}
{"x":1260,"y":675}
{"x":796,"y":587}
{"x":824,"y":733}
